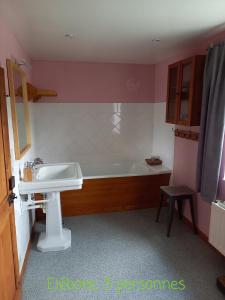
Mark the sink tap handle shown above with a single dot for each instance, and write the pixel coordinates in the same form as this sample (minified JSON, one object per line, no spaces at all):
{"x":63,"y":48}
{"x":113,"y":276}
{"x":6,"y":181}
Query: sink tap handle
{"x":35,"y":162}
{"x":38,"y":161}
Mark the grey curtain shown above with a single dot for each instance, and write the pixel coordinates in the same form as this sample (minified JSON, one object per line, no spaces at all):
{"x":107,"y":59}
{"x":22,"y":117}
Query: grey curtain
{"x":212,"y":123}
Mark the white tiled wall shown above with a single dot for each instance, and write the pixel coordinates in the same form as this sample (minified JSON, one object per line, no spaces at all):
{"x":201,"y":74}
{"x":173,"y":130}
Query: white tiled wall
{"x":163,"y":135}
{"x":95,"y":132}
{"x":98,"y":132}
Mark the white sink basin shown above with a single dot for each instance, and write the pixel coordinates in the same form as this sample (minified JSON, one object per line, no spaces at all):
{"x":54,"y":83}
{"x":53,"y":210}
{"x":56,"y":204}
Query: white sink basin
{"x":49,"y":178}
{"x":52,"y":179}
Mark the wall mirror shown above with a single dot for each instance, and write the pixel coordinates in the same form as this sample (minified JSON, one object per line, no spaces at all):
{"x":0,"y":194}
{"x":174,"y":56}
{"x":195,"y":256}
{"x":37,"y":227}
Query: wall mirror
{"x":20,"y":109}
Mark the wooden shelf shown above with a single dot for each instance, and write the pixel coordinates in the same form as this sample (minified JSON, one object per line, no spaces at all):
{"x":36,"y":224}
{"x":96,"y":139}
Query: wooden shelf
{"x":34,"y":94}
{"x":190,"y":135}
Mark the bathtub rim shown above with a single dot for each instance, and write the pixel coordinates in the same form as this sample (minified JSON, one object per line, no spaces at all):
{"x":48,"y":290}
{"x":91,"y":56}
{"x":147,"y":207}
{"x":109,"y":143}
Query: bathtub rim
{"x":127,"y":175}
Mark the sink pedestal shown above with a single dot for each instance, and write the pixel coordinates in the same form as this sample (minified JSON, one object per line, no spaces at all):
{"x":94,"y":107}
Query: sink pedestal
{"x":56,"y":237}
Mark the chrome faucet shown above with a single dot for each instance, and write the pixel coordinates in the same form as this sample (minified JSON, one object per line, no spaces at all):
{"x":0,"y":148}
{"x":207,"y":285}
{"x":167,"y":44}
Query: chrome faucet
{"x":37,"y":161}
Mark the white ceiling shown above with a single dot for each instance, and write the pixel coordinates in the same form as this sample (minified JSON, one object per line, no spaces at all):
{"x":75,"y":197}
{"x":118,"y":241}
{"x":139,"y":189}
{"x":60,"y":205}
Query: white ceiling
{"x":111,"y":30}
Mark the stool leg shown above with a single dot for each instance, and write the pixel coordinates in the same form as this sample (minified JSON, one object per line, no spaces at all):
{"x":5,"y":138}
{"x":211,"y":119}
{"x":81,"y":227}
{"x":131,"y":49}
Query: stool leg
{"x":171,"y":211}
{"x":193,"y":215}
{"x":160,"y":206}
{"x":180,"y":208}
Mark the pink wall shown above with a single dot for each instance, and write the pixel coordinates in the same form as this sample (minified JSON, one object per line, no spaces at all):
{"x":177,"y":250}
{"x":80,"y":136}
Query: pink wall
{"x":185,"y":151}
{"x":161,"y":82}
{"x":161,"y":69}
{"x":10,"y":47}
{"x":185,"y":161}
{"x":95,"y":82}
{"x":105,"y":82}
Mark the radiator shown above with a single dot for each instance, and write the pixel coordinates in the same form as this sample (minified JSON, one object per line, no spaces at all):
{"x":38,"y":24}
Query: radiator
{"x":217,"y":226}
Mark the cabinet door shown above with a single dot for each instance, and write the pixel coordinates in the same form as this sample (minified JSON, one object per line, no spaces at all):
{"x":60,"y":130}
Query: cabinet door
{"x":185,"y":91}
{"x":172,"y":93}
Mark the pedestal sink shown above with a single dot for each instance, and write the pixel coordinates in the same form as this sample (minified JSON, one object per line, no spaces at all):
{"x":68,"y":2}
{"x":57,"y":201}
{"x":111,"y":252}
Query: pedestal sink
{"x":51,"y":179}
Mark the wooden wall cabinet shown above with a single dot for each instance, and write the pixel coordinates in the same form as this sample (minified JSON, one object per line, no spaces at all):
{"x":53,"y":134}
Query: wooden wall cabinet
{"x":184,"y":91}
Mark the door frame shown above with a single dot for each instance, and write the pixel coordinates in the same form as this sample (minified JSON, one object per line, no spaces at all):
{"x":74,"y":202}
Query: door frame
{"x":7,"y":157}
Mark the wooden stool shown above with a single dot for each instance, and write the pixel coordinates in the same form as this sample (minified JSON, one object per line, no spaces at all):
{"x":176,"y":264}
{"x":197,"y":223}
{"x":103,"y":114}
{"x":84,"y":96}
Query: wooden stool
{"x":179,"y":194}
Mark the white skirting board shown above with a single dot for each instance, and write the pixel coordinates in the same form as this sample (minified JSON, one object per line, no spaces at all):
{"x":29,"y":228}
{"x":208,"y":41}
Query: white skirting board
{"x":217,"y":226}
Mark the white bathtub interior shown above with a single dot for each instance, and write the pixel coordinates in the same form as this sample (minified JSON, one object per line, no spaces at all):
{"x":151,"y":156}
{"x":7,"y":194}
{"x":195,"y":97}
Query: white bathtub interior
{"x":121,"y":169}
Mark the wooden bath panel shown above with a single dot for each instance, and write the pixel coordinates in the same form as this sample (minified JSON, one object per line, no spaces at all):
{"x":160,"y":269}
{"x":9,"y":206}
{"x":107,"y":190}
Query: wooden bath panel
{"x":114,"y":194}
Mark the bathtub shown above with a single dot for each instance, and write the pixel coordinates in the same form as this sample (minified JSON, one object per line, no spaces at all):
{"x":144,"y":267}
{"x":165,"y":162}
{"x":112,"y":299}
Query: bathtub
{"x":118,"y":186}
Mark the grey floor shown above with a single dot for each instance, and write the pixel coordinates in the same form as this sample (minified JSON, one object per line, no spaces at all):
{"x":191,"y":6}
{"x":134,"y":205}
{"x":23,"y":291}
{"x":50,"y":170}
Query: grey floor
{"x":120,"y":247}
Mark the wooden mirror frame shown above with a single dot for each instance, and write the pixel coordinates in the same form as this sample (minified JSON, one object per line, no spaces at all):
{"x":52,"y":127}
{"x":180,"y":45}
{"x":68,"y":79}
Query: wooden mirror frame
{"x":13,"y":67}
